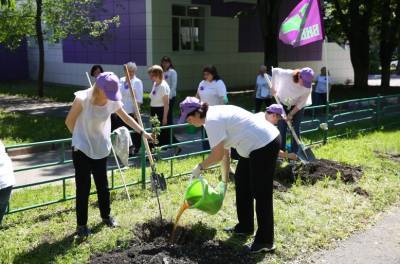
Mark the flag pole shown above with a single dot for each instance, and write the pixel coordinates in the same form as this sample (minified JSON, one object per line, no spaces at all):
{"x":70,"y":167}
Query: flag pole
{"x":326,"y":67}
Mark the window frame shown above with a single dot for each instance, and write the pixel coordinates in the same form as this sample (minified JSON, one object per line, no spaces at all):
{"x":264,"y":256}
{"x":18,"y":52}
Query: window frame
{"x":192,"y":19}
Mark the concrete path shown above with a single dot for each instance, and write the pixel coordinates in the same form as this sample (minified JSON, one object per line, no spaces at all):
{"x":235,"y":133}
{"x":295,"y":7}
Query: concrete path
{"x":378,"y":245}
{"x":43,"y":107}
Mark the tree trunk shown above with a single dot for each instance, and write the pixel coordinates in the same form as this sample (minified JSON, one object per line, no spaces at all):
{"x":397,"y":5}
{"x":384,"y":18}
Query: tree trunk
{"x":398,"y":61}
{"x":359,"y":40}
{"x":40,"y":42}
{"x":268,"y":11}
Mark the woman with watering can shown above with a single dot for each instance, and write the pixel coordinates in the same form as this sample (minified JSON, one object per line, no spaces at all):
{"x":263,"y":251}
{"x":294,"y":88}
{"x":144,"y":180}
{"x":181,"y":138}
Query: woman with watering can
{"x":257,"y":142}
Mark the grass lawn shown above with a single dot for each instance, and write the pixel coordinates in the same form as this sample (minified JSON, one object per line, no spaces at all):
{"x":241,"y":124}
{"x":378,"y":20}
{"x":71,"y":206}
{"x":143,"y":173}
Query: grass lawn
{"x":306,"y":217}
{"x":22,"y":128}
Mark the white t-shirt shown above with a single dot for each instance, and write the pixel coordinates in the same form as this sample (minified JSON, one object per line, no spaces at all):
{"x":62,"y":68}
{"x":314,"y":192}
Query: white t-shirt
{"x":288,"y":92}
{"x":6,"y":169}
{"x":321,"y":84}
{"x":171,"y":77}
{"x":92,"y":129}
{"x":211,"y":92}
{"x":238,"y":128}
{"x":126,"y":95}
{"x":263,"y":90}
{"x":157,"y":94}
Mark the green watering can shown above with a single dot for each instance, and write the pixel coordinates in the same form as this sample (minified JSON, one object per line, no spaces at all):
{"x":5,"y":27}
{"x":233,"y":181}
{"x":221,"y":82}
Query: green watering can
{"x":202,"y":196}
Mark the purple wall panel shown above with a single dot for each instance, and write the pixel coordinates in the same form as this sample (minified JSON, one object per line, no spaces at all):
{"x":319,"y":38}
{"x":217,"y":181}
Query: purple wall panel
{"x":309,"y":52}
{"x":14,"y":64}
{"x":119,"y":44}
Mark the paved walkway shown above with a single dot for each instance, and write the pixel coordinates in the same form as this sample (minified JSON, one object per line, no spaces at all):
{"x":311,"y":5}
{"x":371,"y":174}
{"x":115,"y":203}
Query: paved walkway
{"x":378,"y":245}
{"x":44,"y":107}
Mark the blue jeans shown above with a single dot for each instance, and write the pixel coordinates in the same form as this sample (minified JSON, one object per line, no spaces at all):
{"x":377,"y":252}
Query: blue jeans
{"x":282,"y":126}
{"x":5,"y":195}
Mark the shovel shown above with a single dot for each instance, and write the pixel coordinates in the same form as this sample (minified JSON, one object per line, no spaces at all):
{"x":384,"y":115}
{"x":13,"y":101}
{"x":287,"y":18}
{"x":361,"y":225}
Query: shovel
{"x":304,"y":153}
{"x":157,"y":180}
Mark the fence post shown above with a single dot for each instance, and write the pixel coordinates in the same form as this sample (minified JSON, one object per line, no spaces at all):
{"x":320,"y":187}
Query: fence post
{"x":378,"y":110}
{"x":143,"y":164}
{"x":62,"y":153}
{"x":327,"y":122}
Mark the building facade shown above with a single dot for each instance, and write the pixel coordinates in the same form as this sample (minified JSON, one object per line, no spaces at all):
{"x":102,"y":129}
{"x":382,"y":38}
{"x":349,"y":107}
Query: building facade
{"x":192,"y":32}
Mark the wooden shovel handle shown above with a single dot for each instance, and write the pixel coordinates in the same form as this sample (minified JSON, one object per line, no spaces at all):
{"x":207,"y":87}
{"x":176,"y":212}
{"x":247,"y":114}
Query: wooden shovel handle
{"x":138,"y":116}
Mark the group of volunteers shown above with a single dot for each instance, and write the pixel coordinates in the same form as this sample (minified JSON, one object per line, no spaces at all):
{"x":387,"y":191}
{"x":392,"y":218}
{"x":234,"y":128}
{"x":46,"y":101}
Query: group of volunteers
{"x":258,"y":139}
{"x":257,"y":142}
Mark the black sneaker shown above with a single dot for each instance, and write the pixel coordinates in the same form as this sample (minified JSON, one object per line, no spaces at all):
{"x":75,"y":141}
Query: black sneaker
{"x":236,"y":231}
{"x":83,"y":231}
{"x":261,"y":247}
{"x":110,"y":222}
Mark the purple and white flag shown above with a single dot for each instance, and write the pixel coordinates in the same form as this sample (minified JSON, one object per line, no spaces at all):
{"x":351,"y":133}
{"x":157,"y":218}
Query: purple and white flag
{"x":303,"y":24}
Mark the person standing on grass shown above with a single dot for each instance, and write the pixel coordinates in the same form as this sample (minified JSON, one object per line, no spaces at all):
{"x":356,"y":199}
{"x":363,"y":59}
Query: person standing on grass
{"x":159,"y":104}
{"x":7,"y":180}
{"x":128,"y":106}
{"x":320,"y":87}
{"x":211,"y":90}
{"x":293,"y":88}
{"x":90,"y":125}
{"x":258,"y":145}
{"x":263,"y":93}
{"x":96,"y":70}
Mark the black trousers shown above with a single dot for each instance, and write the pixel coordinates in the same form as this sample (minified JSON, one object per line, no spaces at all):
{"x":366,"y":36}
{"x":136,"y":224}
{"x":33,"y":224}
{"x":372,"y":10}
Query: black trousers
{"x":5,"y":195}
{"x":259,"y":102}
{"x":171,"y":111}
{"x":84,"y":166}
{"x":164,"y":137}
{"x":117,"y":122}
{"x":296,"y":122}
{"x":254,"y":181}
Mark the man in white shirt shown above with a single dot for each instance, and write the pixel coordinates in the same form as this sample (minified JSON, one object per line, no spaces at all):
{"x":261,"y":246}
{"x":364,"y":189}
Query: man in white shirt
{"x":7,"y":180}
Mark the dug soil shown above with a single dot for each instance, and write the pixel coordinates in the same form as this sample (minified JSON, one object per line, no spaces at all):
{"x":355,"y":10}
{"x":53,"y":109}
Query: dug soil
{"x":319,"y":170}
{"x":192,"y":244}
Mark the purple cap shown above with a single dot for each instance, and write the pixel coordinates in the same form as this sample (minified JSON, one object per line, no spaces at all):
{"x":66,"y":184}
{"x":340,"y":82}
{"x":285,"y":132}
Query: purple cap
{"x":307,"y":75}
{"x":276,"y":109}
{"x":109,"y":82}
{"x":187,"y":106}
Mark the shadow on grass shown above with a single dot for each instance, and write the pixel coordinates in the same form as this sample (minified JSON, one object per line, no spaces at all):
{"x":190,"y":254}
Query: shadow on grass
{"x":48,"y":251}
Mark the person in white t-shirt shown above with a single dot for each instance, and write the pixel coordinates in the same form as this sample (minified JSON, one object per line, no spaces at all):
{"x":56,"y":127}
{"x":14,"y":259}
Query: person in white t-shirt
{"x":211,"y":90}
{"x":263,"y":93}
{"x":90,"y":125}
{"x":127,"y":101}
{"x":7,"y":180}
{"x":171,"y":77}
{"x":255,"y":140}
{"x":159,"y":103}
{"x":293,"y":88}
{"x":321,"y":87}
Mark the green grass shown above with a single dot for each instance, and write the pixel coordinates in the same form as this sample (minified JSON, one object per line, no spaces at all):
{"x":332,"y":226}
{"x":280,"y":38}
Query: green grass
{"x":22,"y":128}
{"x":56,"y":92}
{"x":306,"y":217}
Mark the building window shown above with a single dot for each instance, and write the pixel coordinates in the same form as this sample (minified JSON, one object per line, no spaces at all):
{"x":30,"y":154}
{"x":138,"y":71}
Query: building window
{"x":187,"y":28}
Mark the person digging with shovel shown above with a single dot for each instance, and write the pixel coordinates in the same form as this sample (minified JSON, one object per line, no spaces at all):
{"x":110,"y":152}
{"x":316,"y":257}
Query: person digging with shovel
{"x":258,"y":142}
{"x":89,"y":122}
{"x":293,"y":89}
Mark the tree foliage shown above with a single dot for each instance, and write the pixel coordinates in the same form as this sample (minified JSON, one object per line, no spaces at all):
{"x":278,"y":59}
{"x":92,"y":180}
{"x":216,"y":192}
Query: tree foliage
{"x":52,"y":21}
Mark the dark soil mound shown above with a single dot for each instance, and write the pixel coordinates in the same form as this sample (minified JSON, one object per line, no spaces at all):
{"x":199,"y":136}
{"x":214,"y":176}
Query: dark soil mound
{"x":319,"y":170}
{"x":390,"y":156}
{"x":191,"y":245}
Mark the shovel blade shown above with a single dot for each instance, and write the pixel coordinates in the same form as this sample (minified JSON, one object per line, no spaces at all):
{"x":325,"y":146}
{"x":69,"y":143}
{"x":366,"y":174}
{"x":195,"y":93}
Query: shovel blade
{"x":305,"y":154}
{"x":158,"y":182}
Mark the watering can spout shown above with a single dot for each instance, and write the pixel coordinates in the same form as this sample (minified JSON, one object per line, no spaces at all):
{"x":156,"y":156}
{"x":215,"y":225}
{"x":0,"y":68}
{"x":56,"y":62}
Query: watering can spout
{"x":202,"y":196}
